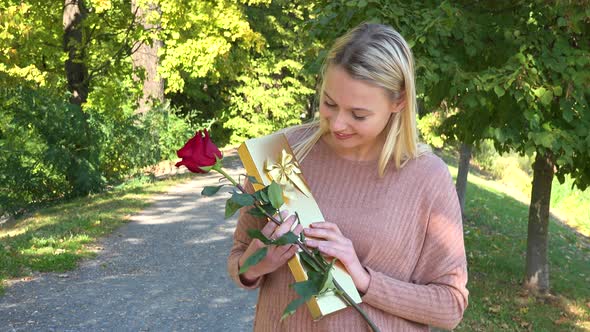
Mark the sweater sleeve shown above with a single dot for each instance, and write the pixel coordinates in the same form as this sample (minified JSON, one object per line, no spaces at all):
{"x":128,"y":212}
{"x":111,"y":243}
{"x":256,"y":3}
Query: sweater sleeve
{"x":241,"y":242}
{"x":436,"y":294}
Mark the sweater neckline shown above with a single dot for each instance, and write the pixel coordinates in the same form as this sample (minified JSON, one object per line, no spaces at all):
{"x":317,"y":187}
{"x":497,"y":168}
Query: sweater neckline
{"x":325,"y":146}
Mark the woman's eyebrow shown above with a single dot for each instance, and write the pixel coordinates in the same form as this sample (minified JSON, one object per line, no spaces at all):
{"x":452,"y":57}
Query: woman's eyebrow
{"x":353,"y":108}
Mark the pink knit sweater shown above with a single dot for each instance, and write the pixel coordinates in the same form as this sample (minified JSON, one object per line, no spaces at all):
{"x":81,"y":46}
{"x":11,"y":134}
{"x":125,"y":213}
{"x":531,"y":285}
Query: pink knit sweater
{"x":406,"y":229}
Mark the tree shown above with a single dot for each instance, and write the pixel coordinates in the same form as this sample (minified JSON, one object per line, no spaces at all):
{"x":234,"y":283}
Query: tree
{"x":69,"y":94}
{"x":237,"y":66}
{"x":146,"y":56}
{"x":516,"y":73}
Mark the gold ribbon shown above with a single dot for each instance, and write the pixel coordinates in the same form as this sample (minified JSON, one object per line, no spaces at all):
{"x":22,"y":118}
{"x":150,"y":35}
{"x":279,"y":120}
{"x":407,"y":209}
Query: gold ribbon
{"x":287,"y":173}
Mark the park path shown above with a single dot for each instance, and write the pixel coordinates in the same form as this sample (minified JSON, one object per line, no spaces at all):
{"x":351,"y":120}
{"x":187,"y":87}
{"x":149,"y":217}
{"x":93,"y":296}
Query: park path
{"x":164,"y":271}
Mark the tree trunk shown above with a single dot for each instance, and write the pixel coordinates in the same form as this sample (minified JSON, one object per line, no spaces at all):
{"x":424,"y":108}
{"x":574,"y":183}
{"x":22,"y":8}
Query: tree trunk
{"x":537,"y":264}
{"x":146,"y":58}
{"x":461,"y":184}
{"x":75,"y":66}
{"x":82,"y":172}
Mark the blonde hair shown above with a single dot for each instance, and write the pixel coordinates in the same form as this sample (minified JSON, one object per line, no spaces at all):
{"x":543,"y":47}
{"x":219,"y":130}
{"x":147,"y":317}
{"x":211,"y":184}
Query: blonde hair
{"x":377,"y":54}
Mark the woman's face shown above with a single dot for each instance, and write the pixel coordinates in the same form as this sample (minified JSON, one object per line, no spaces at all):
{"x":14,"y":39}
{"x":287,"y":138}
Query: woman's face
{"x":356,"y":113}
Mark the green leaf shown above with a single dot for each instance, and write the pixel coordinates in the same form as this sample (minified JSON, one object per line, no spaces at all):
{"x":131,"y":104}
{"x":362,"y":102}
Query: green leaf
{"x":210,"y":190}
{"x":319,"y":256}
{"x":252,"y":179}
{"x":275,"y":195}
{"x":269,"y":209}
{"x":499,"y":91}
{"x":264,"y":196}
{"x":292,"y":307}
{"x":287,"y":238}
{"x":257,"y":234}
{"x":243,"y":199}
{"x":306,"y":289}
{"x":309,"y":262}
{"x":254,"y":259}
{"x":328,"y":281}
{"x":544,"y":95}
{"x":231,"y":207}
{"x":256,"y":212}
{"x":568,"y":115}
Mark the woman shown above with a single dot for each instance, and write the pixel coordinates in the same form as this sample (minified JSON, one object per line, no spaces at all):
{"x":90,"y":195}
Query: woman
{"x":392,"y":213}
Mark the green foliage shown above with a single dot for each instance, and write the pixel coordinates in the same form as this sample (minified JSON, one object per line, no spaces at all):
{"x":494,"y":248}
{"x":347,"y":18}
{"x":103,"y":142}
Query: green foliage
{"x":210,"y":190}
{"x":40,"y":143}
{"x":254,"y":259}
{"x":429,"y":128}
{"x":242,"y":74}
{"x":516,"y":73}
{"x":44,"y":157}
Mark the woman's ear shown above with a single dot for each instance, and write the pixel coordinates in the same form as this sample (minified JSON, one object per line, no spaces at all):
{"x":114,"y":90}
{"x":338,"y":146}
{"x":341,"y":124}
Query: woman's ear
{"x":398,"y":105}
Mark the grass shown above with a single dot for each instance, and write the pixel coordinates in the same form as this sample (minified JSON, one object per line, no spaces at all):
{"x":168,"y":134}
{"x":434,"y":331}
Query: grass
{"x":57,"y":237}
{"x":495,"y":240}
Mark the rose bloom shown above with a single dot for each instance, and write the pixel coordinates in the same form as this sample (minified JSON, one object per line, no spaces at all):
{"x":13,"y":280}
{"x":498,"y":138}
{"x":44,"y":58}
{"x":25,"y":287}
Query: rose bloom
{"x":198,"y":152}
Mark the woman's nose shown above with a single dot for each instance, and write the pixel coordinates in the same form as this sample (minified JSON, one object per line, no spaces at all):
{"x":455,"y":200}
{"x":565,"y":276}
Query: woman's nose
{"x":338,"y":122}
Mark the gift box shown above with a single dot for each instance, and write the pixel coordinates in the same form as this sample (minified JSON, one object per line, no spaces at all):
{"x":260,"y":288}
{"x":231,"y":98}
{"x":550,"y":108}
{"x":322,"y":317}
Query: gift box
{"x":266,"y":158}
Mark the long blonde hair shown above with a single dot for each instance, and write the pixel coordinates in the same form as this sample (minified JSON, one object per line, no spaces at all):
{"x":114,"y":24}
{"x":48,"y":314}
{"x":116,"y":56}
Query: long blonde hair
{"x":377,"y":54}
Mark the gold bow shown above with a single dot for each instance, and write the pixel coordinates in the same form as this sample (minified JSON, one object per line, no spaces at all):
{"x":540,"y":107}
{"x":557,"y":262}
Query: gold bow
{"x":286,"y":173}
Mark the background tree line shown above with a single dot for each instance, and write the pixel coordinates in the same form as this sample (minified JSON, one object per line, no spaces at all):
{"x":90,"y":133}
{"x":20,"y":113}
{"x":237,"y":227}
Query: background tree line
{"x":95,"y":90}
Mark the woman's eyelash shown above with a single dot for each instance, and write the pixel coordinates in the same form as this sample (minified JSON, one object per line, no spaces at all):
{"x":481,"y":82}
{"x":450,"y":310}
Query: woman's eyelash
{"x":354,"y":116}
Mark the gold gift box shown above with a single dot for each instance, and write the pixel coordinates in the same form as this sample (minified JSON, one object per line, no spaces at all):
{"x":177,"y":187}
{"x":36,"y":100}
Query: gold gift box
{"x":255,"y":155}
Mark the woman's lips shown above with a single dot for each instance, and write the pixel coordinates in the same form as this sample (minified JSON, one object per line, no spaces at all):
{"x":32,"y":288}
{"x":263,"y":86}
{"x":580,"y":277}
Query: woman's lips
{"x":343,"y":136}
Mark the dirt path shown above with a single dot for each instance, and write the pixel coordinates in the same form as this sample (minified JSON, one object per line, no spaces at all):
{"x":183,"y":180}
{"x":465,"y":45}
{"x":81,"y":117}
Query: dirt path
{"x":164,"y":271}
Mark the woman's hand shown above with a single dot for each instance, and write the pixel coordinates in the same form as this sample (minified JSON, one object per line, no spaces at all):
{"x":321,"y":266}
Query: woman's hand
{"x":327,"y":238}
{"x":276,"y":256}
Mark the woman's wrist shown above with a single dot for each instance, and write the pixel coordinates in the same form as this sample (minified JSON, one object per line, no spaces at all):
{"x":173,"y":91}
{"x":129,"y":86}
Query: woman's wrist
{"x":362,"y":279}
{"x":249,"y":277}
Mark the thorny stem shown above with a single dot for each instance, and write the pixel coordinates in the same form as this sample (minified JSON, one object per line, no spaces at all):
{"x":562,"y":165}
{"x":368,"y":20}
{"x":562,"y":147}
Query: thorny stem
{"x":340,"y":291}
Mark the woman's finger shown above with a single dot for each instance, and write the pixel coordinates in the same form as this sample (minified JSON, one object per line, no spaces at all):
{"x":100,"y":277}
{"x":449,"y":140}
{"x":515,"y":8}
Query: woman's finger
{"x":326,"y":225}
{"x":284,"y":228}
{"x":298,"y":229}
{"x":268,"y":229}
{"x":326,"y":234}
{"x":290,"y":252}
{"x":270,"y":226}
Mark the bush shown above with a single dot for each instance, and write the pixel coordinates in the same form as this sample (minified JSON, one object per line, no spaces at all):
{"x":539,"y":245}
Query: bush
{"x":46,"y":150}
{"x":428,"y":126}
{"x":51,"y":149}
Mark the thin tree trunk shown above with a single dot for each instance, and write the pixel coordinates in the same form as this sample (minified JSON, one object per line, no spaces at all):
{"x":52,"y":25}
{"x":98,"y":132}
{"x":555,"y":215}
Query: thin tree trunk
{"x":461,"y":184}
{"x":81,"y":174}
{"x":75,"y":65}
{"x":537,"y":263}
{"x":146,"y":58}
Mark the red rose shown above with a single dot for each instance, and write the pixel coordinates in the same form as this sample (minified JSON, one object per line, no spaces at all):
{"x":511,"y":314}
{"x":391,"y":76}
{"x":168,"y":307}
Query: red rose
{"x":198,"y":152}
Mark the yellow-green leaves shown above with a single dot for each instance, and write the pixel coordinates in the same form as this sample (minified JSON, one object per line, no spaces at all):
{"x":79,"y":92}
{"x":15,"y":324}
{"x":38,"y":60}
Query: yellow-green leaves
{"x":545,"y":96}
